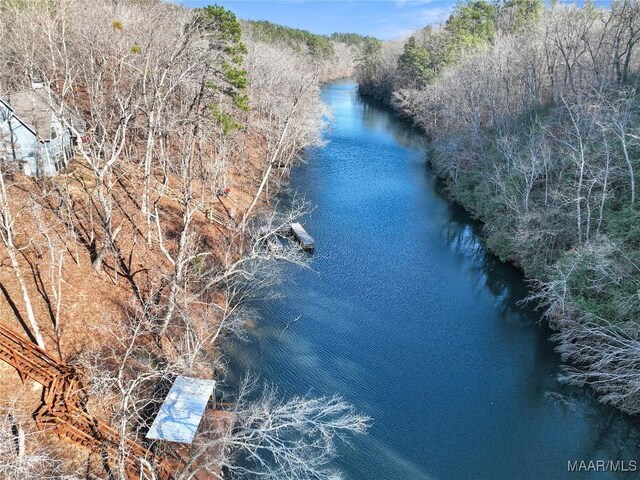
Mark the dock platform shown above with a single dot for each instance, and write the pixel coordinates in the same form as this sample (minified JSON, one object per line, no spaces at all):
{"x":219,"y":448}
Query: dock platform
{"x":307,"y":242}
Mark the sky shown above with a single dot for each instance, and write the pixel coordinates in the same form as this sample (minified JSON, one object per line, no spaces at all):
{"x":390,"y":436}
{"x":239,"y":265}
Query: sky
{"x":384,"y":19}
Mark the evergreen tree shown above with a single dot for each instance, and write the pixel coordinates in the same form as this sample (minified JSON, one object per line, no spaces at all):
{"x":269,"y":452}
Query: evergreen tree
{"x":369,"y":56}
{"x":472,"y":24}
{"x":520,"y":13}
{"x":228,"y":76}
{"x":416,"y":64}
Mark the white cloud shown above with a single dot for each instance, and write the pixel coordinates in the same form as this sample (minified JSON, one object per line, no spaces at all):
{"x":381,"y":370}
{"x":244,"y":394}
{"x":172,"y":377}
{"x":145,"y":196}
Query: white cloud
{"x":402,"y":3}
{"x":409,"y":21}
{"x":435,"y":15}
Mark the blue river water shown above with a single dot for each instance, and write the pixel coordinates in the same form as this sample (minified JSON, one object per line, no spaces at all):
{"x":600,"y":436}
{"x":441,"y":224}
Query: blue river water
{"x":407,"y":316}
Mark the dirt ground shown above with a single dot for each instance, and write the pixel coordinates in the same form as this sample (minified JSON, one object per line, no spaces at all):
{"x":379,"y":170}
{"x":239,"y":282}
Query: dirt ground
{"x":57,"y":267}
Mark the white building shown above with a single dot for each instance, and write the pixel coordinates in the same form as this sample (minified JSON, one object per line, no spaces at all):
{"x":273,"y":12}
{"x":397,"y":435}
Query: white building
{"x":38,"y":131}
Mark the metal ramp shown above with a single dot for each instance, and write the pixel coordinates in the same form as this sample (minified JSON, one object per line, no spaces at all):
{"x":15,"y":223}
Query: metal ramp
{"x":62,"y":409}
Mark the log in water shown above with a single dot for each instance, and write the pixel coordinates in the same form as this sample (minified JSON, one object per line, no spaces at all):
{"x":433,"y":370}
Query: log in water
{"x":407,"y":316}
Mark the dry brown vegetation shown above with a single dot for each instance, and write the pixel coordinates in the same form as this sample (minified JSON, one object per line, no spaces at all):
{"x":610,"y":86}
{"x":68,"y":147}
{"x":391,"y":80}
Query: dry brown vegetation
{"x":129,"y":265}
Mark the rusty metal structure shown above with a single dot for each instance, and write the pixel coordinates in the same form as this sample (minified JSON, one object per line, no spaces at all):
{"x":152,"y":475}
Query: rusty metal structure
{"x":63,"y":409}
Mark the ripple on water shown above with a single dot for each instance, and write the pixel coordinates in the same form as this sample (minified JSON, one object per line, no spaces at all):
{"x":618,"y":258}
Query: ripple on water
{"x":407,"y":316}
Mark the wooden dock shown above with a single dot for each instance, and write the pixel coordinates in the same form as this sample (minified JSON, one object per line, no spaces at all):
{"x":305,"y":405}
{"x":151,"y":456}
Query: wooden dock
{"x":64,"y":413}
{"x":307,"y":242}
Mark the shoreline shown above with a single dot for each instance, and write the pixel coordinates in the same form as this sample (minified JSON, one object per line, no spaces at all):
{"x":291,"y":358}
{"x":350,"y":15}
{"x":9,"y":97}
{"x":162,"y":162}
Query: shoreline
{"x":556,"y":323}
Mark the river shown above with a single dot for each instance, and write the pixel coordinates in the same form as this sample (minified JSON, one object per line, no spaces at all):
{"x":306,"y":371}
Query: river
{"x":407,"y":316}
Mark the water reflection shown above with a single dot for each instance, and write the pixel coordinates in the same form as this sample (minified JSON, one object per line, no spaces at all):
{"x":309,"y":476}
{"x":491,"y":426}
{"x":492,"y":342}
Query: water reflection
{"x":463,"y":238}
{"x":378,"y":118}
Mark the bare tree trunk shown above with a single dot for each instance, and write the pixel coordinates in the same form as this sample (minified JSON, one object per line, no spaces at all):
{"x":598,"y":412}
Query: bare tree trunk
{"x":7,"y":237}
{"x":180,"y":266}
{"x":625,"y":151}
{"x":20,"y":437}
{"x":581,"y":160}
{"x":147,"y":175}
{"x":604,"y":184}
{"x":272,"y":161}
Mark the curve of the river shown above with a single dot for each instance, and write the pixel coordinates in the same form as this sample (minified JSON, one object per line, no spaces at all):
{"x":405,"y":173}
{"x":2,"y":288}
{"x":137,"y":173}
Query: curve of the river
{"x":406,"y":315}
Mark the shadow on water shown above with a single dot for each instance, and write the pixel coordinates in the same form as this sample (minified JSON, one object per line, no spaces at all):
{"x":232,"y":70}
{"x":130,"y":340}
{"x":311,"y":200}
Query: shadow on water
{"x":376,"y":116}
{"x":408,"y":316}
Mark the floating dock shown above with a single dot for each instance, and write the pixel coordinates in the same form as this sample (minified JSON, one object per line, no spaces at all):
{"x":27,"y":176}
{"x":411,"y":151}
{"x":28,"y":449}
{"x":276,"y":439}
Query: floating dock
{"x":307,"y":242}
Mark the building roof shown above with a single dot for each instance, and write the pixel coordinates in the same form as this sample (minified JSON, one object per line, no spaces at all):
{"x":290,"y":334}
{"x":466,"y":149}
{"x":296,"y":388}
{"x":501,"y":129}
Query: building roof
{"x":181,"y":413}
{"x":37,"y":109}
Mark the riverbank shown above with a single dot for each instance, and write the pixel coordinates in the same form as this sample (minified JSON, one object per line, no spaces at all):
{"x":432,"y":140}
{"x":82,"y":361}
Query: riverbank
{"x":547,"y":262}
{"x":132,"y":263}
{"x":546,"y":161}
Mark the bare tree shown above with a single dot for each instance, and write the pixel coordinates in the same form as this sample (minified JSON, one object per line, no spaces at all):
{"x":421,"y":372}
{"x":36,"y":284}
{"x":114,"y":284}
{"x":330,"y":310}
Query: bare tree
{"x":280,"y":439}
{"x":8,"y":238}
{"x":22,"y":452}
{"x":604,"y":357}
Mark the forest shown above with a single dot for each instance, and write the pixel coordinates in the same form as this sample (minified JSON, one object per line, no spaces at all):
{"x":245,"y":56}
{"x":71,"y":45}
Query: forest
{"x":135,"y":262}
{"x":533,"y":121}
{"x":140,"y":257}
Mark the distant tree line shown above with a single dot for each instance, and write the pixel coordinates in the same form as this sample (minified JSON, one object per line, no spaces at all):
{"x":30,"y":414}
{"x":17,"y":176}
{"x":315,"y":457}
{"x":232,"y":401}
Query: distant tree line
{"x":319,"y":46}
{"x":419,"y":59}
